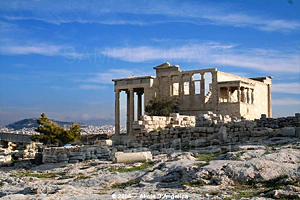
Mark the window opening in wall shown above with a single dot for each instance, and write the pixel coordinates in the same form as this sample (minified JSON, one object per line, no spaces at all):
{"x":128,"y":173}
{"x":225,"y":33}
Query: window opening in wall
{"x":207,"y":82}
{"x":223,"y":94}
{"x":123,"y":109}
{"x":175,"y":89}
{"x":197,"y":77}
{"x":197,"y":83}
{"x":234,"y":95}
{"x":136,"y":106}
{"x":186,"y":88}
{"x":197,"y":87}
{"x":252,"y":96}
{"x":135,"y":100}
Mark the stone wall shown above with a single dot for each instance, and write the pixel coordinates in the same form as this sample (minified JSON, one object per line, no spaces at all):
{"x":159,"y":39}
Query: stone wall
{"x":75,"y":154}
{"x":183,"y":132}
{"x":152,"y":123}
{"x":281,"y":122}
{"x":216,"y":129}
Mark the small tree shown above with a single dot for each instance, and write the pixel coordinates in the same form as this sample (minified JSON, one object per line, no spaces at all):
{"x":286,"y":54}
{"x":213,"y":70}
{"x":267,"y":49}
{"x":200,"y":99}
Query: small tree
{"x":52,"y":133}
{"x":162,"y":106}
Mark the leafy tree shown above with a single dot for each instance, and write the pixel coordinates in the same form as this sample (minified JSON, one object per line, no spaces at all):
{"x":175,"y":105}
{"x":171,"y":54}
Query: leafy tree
{"x":162,"y":106}
{"x":53,"y":134}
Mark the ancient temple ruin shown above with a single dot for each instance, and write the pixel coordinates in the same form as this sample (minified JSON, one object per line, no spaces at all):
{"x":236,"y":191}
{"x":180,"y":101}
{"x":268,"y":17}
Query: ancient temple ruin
{"x":198,"y":91}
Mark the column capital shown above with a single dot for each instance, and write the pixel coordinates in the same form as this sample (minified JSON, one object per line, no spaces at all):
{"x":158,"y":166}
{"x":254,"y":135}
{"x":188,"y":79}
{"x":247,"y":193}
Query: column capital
{"x":140,"y":92}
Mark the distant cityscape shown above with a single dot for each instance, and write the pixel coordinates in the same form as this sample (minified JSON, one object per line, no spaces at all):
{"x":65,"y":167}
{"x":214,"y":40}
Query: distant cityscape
{"x":85,"y":129}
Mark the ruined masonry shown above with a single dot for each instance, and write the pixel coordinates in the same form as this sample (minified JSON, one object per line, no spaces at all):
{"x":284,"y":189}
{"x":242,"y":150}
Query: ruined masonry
{"x":205,"y":130}
{"x":198,"y":92}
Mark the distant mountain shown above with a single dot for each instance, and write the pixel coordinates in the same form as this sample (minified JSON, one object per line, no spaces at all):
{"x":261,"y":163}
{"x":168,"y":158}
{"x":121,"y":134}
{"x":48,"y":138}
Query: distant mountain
{"x":32,"y":123}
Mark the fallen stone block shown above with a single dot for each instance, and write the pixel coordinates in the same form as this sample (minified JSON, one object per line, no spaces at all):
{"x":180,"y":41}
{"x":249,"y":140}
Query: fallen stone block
{"x":288,"y":132}
{"x":49,"y":159}
{"x":197,"y":143}
{"x":259,"y":133}
{"x":62,"y":157}
{"x":176,"y":143}
{"x":104,"y":142}
{"x":222,"y":133}
{"x":121,"y":157}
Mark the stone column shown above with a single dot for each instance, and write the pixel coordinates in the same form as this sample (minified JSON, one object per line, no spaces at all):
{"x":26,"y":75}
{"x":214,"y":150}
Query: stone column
{"x":170,"y":93}
{"x":117,"y":112}
{"x":239,"y":94}
{"x":248,"y":95}
{"x":243,"y":95}
{"x":139,"y":105}
{"x":181,"y":90}
{"x":128,"y":113}
{"x":131,"y":113}
{"x":228,"y":95}
{"x":202,"y":88}
{"x":192,"y":91}
{"x":214,"y":90}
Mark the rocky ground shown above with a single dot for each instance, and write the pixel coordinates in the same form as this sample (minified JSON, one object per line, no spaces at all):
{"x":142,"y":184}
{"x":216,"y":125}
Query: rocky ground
{"x":263,"y":170}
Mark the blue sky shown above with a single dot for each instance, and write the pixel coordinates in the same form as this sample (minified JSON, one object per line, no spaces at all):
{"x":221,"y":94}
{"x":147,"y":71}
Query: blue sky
{"x":59,"y":57}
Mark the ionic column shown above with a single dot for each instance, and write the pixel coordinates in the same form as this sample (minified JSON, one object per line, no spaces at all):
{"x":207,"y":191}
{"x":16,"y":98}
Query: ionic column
{"x":170,"y":93}
{"x":131,"y":109}
{"x":117,"y":112}
{"x":139,"y":105}
{"x":214,"y":88}
{"x":202,"y":88}
{"x":192,"y":91}
{"x":181,"y":89}
{"x":128,"y":113}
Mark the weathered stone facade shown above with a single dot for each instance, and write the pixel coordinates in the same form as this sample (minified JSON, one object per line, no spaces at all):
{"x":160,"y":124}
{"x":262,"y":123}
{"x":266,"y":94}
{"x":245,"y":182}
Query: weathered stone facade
{"x":198,"y":91}
{"x":213,"y":129}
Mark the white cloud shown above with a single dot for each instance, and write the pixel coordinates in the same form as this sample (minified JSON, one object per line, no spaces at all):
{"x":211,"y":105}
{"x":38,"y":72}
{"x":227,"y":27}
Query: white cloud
{"x":289,"y":88}
{"x":243,"y":20}
{"x":42,"y":49}
{"x":286,"y":102}
{"x":137,"y":13}
{"x":267,"y":60}
{"x":47,"y":49}
{"x":188,"y":52}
